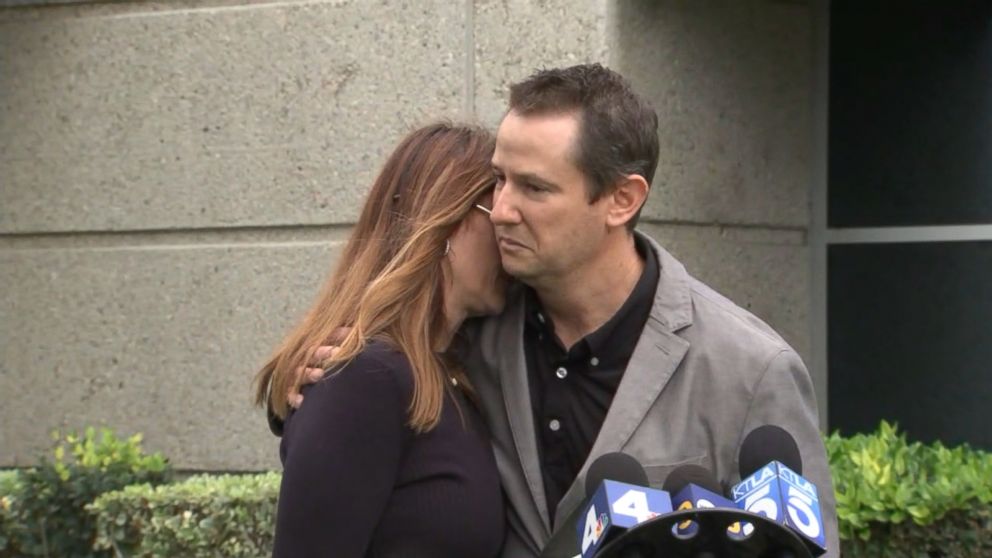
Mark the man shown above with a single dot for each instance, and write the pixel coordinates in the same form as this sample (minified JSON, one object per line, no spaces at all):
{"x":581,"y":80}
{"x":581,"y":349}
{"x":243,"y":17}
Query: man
{"x":608,"y":344}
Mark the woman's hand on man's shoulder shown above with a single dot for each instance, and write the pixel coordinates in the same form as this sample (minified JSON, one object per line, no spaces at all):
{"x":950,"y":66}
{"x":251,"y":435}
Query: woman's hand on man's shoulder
{"x":310,"y":374}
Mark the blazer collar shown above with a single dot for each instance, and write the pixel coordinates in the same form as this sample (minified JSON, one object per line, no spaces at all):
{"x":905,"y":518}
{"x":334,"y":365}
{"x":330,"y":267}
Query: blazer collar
{"x":673,"y":295}
{"x":512,"y":366}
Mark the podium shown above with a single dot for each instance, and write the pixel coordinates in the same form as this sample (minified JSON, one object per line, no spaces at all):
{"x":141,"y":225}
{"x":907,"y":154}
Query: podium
{"x":657,"y":538}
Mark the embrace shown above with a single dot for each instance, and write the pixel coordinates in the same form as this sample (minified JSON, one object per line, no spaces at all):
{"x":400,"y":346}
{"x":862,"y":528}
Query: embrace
{"x":495,"y":323}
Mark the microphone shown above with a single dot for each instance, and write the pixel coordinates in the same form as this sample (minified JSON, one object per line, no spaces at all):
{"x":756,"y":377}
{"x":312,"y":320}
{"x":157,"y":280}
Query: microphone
{"x":619,"y":499}
{"x":773,"y":486}
{"x":695,"y":487}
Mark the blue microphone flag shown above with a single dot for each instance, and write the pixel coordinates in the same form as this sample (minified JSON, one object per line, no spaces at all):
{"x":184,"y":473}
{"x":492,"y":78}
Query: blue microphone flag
{"x":616,"y":507}
{"x":782,"y":495}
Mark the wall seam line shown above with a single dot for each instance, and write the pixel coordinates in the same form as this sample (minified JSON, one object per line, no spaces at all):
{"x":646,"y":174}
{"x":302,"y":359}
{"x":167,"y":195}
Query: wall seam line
{"x":470,"y":59}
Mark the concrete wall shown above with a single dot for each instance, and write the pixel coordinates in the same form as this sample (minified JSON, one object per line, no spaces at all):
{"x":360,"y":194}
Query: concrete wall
{"x":732,"y":84}
{"x":176,"y":178}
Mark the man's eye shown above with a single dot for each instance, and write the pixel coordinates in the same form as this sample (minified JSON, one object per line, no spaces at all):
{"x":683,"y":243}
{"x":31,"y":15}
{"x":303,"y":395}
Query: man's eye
{"x":533,"y":187}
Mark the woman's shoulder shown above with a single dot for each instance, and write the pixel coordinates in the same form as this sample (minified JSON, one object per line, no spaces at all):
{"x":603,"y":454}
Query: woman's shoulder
{"x":370,"y":393}
{"x":382,"y":353}
{"x":384,"y":357}
{"x":378,"y":376}
{"x":379,"y":363}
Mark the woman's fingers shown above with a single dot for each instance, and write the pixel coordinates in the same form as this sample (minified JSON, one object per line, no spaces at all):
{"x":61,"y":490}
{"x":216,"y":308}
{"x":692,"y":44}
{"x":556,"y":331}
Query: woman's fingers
{"x":307,"y":376}
{"x":295,"y":399}
{"x":324,"y":352}
{"x":313,"y":375}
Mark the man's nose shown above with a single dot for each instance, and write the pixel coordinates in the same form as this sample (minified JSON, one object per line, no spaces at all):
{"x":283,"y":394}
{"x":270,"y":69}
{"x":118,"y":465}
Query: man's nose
{"x":504,"y":207}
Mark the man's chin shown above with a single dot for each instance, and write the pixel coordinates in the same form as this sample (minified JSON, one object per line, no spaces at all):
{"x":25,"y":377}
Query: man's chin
{"x":517,"y":275}
{"x":517,"y":272}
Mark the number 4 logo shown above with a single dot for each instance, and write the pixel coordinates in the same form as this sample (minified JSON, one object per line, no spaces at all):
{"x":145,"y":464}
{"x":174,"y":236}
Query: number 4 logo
{"x":634,"y":503}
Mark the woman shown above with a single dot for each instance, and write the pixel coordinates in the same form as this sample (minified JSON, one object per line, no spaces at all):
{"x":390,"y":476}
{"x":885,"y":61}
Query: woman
{"x":388,"y":457}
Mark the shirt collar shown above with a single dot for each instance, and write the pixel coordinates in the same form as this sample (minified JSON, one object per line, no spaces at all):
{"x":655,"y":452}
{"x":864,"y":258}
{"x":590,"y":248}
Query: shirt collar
{"x":627,"y":321}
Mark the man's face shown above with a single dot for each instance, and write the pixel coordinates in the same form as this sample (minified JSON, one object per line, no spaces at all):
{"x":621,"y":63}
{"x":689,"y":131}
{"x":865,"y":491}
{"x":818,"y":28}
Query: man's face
{"x":545,"y":225}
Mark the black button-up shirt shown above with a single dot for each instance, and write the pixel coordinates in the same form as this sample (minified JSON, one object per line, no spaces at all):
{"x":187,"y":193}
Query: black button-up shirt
{"x":571,"y":389}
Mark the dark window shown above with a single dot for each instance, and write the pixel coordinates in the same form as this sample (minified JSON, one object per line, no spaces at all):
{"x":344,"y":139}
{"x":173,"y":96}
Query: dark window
{"x":910,"y":113}
{"x":910,"y":339}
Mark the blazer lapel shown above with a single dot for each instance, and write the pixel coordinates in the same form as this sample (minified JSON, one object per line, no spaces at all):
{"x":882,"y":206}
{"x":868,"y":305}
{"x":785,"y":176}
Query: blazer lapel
{"x":516,"y":396}
{"x":656,"y":357}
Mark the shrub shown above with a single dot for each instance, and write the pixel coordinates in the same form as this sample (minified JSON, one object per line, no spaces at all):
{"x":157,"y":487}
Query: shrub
{"x":10,"y":489}
{"x":896,"y":498}
{"x":50,"y":510}
{"x":206,"y":516}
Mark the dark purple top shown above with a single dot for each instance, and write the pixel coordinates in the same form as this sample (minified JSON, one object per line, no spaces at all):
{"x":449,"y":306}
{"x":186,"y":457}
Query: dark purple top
{"x":358,"y":482}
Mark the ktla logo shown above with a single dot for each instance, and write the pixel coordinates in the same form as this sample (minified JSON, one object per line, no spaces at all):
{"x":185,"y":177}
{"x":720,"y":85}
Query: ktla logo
{"x":782,"y":495}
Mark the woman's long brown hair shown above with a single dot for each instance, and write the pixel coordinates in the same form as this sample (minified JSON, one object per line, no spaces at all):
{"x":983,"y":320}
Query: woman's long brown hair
{"x":388,"y":281}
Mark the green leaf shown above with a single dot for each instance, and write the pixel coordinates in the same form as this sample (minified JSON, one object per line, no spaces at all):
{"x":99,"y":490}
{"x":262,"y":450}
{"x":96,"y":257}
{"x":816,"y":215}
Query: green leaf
{"x":896,"y":498}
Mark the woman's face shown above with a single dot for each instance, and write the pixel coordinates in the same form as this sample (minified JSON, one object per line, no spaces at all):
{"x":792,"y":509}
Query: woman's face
{"x":478,"y":283}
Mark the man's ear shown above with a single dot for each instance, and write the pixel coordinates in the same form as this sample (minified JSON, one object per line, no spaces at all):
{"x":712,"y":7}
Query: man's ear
{"x":626,"y":199}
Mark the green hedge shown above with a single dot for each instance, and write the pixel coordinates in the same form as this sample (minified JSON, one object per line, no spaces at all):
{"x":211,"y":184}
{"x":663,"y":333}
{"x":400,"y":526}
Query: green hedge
{"x":44,"y":512}
{"x":896,"y":498}
{"x":10,"y":489}
{"x":203,"y":517}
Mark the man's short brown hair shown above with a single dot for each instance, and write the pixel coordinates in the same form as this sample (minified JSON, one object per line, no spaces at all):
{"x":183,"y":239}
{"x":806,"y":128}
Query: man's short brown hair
{"x":618,"y":130}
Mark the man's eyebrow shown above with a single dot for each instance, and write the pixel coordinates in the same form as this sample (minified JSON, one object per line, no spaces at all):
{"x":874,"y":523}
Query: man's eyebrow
{"x":533,"y":178}
{"x":527,"y":177}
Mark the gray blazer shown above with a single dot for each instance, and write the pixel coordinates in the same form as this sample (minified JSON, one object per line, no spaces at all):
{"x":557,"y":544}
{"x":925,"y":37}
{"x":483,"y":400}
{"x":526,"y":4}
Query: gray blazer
{"x":703,"y":375}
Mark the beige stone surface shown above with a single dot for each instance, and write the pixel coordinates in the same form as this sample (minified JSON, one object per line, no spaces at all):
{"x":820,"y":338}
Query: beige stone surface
{"x":161,"y":340}
{"x":732,"y":85}
{"x":262,"y":114}
{"x":513,"y":38}
{"x":175,"y":177}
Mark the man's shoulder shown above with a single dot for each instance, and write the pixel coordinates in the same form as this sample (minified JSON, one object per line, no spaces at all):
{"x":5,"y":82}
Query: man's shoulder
{"x":712,"y":309}
{"x":713,"y":319}
{"x":725,"y":338}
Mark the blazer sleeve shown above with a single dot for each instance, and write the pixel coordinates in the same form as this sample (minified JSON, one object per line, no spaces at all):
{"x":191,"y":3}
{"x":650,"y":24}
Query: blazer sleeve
{"x":342,"y":453}
{"x":784,"y":397}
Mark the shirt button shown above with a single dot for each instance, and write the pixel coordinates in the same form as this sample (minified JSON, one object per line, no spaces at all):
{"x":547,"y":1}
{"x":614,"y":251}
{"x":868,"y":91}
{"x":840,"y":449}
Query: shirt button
{"x":561,"y":373}
{"x":554,"y":425}
{"x":540,"y":318}
{"x":594,"y":361}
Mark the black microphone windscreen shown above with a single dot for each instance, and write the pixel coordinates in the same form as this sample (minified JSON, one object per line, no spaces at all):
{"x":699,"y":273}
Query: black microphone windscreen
{"x":691,"y":474}
{"x":769,"y":443}
{"x":615,"y":466}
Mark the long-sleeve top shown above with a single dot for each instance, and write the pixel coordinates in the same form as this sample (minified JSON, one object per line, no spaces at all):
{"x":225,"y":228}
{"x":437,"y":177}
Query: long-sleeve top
{"x":359,"y":482}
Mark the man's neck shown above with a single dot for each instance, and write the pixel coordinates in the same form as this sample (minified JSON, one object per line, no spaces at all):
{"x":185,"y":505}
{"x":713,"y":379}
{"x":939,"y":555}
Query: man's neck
{"x":582,"y":301}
